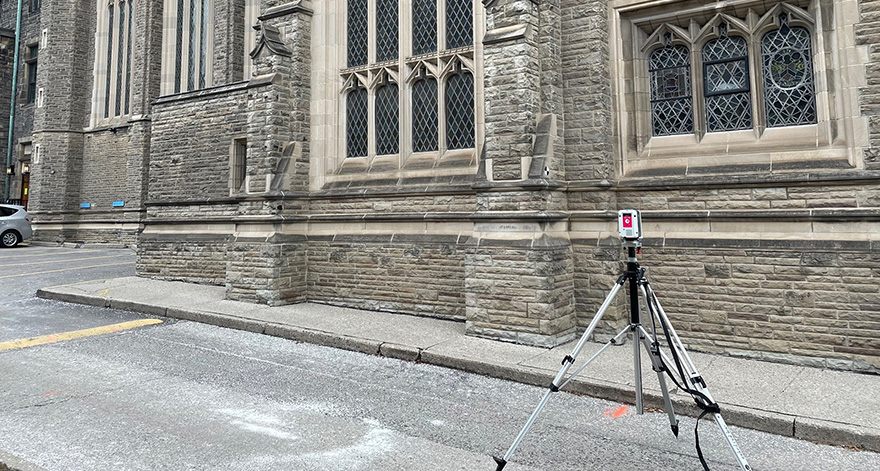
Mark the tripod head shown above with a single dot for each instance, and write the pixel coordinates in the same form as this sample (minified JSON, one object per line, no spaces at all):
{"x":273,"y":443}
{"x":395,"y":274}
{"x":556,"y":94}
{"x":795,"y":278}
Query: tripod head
{"x":629,"y":225}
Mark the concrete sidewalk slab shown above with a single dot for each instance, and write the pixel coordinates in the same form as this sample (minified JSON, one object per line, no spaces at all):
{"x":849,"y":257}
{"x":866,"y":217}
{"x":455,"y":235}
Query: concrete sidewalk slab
{"x":834,"y":407}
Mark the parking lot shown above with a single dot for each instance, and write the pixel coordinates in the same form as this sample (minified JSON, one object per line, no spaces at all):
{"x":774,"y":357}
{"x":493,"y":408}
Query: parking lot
{"x":28,"y":267}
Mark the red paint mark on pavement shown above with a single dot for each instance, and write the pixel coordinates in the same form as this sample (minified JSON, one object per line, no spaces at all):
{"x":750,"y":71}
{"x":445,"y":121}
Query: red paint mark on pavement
{"x":52,"y":393}
{"x":616,"y":413}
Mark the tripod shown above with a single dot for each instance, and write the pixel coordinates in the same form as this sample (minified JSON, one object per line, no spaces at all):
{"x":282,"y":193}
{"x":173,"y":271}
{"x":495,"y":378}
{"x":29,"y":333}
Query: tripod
{"x":691,"y":380}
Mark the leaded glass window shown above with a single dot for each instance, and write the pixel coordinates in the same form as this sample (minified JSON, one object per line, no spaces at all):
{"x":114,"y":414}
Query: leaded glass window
{"x":113,"y":59}
{"x":356,"y":122}
{"x":189,"y":28}
{"x":726,"y":83}
{"x":787,"y":65}
{"x":387,"y":119}
{"x":128,"y":58}
{"x":424,"y":26}
{"x":386,"y":30}
{"x":459,"y":18}
{"x":671,"y":103}
{"x":109,"y":62}
{"x":203,"y":28}
{"x":357,"y":32}
{"x":119,"y":58}
{"x":178,"y":58}
{"x":424,"y":115}
{"x":415,"y":91}
{"x":460,"y":111}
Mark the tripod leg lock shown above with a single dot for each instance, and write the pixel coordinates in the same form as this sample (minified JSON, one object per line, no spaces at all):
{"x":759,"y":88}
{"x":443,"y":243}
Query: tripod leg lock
{"x":568,"y":359}
{"x":554,"y":388}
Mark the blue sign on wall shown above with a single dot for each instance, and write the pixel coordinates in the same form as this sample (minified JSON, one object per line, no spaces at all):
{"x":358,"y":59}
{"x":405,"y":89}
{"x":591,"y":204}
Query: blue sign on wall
{"x":118,"y":204}
{"x":85,"y":205}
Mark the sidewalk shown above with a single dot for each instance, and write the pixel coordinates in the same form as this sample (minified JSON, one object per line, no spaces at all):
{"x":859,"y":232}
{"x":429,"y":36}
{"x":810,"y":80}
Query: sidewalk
{"x":833,"y":407}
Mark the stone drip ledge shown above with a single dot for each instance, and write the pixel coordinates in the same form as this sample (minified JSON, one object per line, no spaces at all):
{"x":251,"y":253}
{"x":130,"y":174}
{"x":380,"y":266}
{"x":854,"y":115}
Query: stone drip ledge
{"x":448,"y":347}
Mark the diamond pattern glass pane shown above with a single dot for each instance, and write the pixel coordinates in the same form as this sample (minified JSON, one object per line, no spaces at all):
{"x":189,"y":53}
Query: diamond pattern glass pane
{"x":424,"y":110}
{"x":727,"y":47}
{"x":424,"y":24}
{"x":203,"y":43}
{"x":460,"y":111}
{"x":726,"y":77}
{"x":671,"y":83}
{"x":671,"y":104}
{"x":387,"y":119}
{"x":729,"y":112}
{"x":128,"y":58}
{"x":459,"y":31}
{"x":109,"y":64}
{"x":191,"y":69}
{"x":386,"y":30}
{"x":670,"y":56}
{"x":726,"y":84}
{"x":119,"y":59}
{"x":356,"y":122}
{"x":672,"y":117}
{"x":357,"y":32}
{"x":787,"y":65}
{"x":178,"y":59}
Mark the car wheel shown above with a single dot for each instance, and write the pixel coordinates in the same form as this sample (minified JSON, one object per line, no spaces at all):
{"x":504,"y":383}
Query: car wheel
{"x":9,"y":239}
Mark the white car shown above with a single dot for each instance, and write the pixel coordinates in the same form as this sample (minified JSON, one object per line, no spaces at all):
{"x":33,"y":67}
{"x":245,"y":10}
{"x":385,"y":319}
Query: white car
{"x":15,"y":225}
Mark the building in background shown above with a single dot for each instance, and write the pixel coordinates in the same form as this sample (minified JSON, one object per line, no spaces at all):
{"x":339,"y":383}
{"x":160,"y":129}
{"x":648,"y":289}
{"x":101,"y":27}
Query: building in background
{"x":17,"y":152}
{"x":465,"y":159}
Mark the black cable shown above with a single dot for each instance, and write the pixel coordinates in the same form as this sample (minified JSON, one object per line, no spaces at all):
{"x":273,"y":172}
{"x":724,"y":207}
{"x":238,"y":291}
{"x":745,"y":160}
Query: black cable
{"x":707,"y":405}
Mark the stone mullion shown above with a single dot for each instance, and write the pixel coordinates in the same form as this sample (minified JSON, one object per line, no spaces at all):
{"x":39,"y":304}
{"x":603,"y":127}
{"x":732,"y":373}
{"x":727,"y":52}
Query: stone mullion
{"x":146,"y":71}
{"x":229,"y":33}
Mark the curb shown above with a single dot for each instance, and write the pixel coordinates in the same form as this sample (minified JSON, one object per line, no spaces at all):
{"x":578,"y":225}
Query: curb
{"x":803,"y":428}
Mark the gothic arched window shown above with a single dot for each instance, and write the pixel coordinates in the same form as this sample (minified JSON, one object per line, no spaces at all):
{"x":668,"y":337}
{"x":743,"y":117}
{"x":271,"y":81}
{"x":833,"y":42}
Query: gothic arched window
{"x":356,"y":122}
{"x":387,"y":119}
{"x":424,"y":115}
{"x":460,"y":110}
{"x":787,"y":63}
{"x":671,"y":103}
{"x":726,"y":83}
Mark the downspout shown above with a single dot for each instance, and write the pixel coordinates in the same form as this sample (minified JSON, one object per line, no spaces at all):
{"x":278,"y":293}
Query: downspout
{"x":12,"y":100}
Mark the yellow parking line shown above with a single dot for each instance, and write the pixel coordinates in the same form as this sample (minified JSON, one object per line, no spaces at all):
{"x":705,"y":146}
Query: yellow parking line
{"x":76,"y":334}
{"x":50,"y":254}
{"x":65,"y":260}
{"x":66,"y":269}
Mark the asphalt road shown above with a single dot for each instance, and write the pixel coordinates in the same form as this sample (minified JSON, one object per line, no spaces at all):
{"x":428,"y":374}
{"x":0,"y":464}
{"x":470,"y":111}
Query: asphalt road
{"x":187,"y":396}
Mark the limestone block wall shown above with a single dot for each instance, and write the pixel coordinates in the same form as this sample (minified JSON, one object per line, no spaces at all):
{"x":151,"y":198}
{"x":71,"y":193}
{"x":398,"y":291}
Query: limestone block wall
{"x":587,"y":91}
{"x":520,"y":291}
{"x":409,"y":273}
{"x":191,"y":140}
{"x":183,"y":256}
{"x":267,"y":271}
{"x":865,"y":21}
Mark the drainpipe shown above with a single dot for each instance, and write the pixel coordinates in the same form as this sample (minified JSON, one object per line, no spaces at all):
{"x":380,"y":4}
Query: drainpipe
{"x":12,"y":101}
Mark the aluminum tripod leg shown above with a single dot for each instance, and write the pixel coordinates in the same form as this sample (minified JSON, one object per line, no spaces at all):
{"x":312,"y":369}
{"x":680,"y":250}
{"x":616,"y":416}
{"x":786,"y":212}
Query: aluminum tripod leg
{"x":696,"y":379}
{"x":567,"y":362}
{"x":657,"y":363}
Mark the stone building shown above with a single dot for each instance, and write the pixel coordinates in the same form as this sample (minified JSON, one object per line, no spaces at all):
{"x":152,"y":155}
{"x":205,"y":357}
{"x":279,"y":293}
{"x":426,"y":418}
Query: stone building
{"x":465,"y":159}
{"x":18,"y":148}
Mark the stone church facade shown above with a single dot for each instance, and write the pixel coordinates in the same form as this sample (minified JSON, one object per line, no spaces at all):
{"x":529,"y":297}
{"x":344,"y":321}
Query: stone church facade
{"x":465,"y":160}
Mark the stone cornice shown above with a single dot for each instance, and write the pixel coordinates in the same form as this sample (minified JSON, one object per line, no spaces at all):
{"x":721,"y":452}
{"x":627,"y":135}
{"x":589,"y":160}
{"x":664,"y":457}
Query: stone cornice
{"x":287,"y":9}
